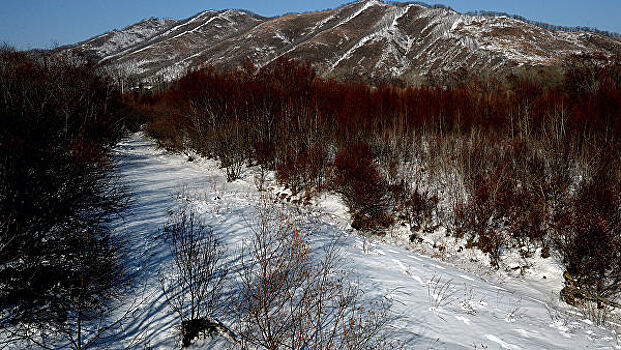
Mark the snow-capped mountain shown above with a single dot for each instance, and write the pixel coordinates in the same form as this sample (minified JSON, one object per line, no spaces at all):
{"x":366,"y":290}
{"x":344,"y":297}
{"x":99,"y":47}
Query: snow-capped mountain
{"x":367,"y":38}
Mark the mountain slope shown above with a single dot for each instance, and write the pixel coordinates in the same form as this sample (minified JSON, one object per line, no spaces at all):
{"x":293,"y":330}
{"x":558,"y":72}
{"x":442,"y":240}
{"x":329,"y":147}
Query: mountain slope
{"x":118,"y":41}
{"x":368,"y":39}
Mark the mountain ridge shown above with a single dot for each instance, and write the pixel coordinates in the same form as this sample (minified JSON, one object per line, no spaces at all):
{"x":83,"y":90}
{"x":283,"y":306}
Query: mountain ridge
{"x":368,"y":40}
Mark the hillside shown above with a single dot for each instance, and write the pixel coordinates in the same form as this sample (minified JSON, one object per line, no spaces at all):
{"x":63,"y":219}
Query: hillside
{"x":368,"y":39}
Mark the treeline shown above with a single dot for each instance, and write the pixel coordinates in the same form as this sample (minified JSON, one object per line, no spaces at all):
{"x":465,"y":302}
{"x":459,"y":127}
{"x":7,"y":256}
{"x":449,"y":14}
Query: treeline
{"x":545,"y":25}
{"x":60,"y":265}
{"x":528,"y":162}
{"x":485,"y":13}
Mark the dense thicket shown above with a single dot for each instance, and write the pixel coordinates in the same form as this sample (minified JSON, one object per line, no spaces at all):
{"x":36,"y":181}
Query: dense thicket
{"x":504,"y":163}
{"x":58,"y":261}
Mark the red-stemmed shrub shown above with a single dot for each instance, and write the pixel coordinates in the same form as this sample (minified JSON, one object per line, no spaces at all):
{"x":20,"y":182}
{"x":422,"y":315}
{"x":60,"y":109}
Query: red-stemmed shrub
{"x":290,"y":172}
{"x":305,"y":170}
{"x":513,"y":148}
{"x":417,"y":206}
{"x":170,"y":132}
{"x":356,"y":178}
{"x":587,"y":235}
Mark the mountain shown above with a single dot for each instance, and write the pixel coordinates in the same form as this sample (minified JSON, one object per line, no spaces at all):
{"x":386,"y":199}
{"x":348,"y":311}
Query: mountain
{"x":366,"y":39}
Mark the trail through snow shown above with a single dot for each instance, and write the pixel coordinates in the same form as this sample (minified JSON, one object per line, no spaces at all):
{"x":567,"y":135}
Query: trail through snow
{"x":470,"y":314}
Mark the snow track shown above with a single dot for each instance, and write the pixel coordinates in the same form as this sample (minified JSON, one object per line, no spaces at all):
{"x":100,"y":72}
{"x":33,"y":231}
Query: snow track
{"x":470,"y":314}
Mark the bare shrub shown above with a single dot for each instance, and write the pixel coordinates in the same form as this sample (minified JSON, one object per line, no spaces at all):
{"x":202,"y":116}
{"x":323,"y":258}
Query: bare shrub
{"x":587,"y":236}
{"x":468,"y":304}
{"x":303,"y":170}
{"x":416,"y":205}
{"x":263,"y":155}
{"x":231,"y":148}
{"x":260,"y":178}
{"x":193,"y":285}
{"x":170,"y":132}
{"x":291,"y":297}
{"x":290,"y":172}
{"x":365,"y":192}
{"x":61,"y":265}
{"x":482,"y":216}
{"x":506,"y":199}
{"x":598,"y":314}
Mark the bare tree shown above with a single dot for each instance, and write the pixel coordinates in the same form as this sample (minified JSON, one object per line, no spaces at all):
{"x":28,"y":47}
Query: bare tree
{"x":61,"y":268}
{"x":6,"y":238}
{"x":232,"y":149}
{"x":192,"y":286}
{"x":90,"y":316}
{"x":290,"y":297}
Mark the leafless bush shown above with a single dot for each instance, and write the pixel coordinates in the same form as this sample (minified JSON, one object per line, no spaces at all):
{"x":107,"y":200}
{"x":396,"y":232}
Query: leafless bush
{"x":303,"y":169}
{"x":260,"y":178}
{"x":416,"y":205}
{"x":468,"y":304}
{"x":290,"y":171}
{"x":363,"y":189}
{"x":291,"y":297}
{"x":557,"y":316}
{"x":587,"y":236}
{"x":6,"y":238}
{"x":61,"y":265}
{"x":506,"y":200}
{"x":169,"y":131}
{"x":232,"y":149}
{"x":101,"y":285}
{"x":193,"y":285}
{"x":515,"y":311}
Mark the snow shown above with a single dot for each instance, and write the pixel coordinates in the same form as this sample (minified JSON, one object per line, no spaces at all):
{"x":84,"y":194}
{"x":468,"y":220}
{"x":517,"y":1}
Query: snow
{"x":194,"y":29}
{"x":180,"y":30}
{"x":387,"y":29}
{"x":120,"y":40}
{"x":358,"y":12}
{"x":280,"y":35}
{"x":479,"y":308}
{"x":226,"y":15}
{"x":191,"y":20}
{"x":322,"y":22}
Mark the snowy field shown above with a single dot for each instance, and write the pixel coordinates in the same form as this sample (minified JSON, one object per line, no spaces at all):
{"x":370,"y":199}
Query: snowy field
{"x":439,"y":302}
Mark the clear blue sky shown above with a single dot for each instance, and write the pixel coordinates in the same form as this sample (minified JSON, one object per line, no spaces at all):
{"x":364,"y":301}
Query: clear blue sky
{"x":28,"y":24}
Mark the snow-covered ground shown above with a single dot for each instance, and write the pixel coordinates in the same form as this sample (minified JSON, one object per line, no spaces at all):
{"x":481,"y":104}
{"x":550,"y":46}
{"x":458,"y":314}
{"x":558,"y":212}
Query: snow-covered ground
{"x":478,"y":308}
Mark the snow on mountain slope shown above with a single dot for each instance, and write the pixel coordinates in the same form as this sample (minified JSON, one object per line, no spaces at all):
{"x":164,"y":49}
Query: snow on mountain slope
{"x":172,"y":46}
{"x":119,"y":40}
{"x":368,"y":39}
{"x":479,"y":310}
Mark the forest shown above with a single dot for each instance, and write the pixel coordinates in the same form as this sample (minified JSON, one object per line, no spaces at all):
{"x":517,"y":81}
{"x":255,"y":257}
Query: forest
{"x":527,"y":162}
{"x":530,"y":161}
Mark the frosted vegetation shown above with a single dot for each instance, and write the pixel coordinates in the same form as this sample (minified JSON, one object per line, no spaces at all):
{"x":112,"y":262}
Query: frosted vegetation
{"x":273,"y":209}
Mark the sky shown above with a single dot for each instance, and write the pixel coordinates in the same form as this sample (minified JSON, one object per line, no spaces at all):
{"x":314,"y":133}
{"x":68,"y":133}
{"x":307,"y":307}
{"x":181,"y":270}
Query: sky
{"x":29,"y":24}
